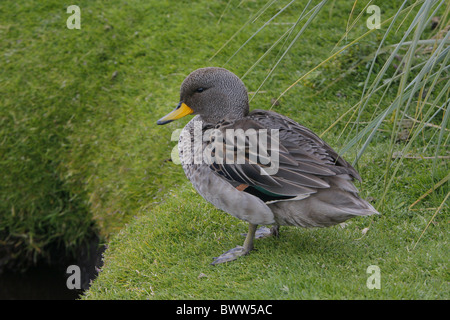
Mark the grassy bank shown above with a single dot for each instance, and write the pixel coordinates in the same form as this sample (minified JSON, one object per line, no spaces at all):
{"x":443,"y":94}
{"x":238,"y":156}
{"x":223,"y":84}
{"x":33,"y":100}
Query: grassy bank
{"x":81,"y":153}
{"x":165,"y":252}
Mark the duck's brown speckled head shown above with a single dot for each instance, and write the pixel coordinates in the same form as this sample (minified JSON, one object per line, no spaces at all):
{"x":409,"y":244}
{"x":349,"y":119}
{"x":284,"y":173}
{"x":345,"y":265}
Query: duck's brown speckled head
{"x":214,"y":94}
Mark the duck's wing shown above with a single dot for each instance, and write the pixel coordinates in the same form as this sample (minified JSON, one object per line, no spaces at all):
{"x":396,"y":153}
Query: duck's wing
{"x":302,"y":166}
{"x":301,"y":141}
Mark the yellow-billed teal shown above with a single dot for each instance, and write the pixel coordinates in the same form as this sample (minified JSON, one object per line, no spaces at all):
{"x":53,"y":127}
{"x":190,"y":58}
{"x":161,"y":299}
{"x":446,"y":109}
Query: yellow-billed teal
{"x":312,"y":186}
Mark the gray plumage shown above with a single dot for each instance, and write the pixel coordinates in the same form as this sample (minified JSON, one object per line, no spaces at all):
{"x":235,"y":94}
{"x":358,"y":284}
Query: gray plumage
{"x":313,"y":186}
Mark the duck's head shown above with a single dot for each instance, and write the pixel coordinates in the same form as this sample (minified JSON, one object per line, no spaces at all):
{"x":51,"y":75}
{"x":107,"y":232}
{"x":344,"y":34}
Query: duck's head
{"x":214,"y":94}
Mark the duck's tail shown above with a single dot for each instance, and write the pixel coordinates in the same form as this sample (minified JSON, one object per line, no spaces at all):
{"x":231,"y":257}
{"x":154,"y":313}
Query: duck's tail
{"x":325,"y":208}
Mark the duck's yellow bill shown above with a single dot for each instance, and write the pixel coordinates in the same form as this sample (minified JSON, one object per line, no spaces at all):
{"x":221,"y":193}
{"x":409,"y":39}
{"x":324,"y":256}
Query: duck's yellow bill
{"x":180,"y":111}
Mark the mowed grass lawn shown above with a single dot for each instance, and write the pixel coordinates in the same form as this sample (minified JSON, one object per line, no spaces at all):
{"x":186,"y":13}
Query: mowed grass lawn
{"x":121,"y":72}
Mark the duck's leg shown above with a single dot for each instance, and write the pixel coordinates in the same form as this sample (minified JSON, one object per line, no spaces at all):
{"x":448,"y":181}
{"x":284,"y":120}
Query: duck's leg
{"x":263,"y":232}
{"x":275,"y":230}
{"x":239,"y":251}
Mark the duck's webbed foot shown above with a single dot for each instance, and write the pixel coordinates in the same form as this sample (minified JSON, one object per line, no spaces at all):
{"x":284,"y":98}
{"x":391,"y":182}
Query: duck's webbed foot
{"x":239,"y":251}
{"x":230,"y":255}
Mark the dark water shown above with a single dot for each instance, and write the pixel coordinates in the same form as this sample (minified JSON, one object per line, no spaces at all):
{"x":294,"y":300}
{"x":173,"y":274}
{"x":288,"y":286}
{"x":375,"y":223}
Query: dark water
{"x":49,"y":281}
{"x":41,"y":282}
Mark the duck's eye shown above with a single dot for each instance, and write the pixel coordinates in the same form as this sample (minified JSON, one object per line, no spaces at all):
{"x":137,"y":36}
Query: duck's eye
{"x":199,"y":90}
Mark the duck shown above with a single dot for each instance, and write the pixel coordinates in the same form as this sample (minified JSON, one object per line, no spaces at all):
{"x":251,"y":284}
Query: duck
{"x":259,"y":166}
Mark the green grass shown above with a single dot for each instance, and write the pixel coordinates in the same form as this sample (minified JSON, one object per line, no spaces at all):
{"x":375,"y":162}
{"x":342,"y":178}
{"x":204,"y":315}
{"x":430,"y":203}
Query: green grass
{"x":164,"y":252}
{"x":81,"y":153}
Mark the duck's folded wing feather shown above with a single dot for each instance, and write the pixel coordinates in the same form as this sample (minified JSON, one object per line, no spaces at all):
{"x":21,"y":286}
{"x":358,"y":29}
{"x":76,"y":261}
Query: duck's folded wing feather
{"x":303,"y":144}
{"x":303,"y":158}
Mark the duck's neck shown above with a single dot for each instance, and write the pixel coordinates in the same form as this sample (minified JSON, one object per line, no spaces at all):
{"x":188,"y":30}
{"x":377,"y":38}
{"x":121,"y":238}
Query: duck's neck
{"x":235,"y":113}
